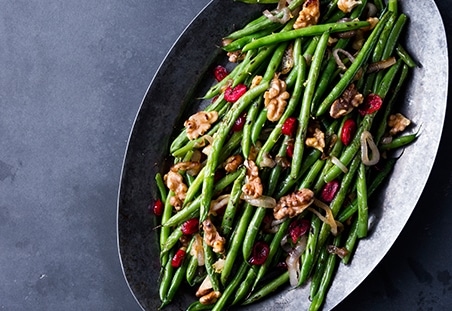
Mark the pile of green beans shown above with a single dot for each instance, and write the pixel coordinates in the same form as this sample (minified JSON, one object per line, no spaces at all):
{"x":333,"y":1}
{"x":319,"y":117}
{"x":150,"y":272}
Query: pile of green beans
{"x":314,"y":82}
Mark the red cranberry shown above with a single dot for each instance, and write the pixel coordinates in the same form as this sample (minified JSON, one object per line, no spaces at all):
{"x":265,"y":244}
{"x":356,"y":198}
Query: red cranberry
{"x":233,"y":94}
{"x":260,"y":253}
{"x":289,"y":150}
{"x":348,"y":131}
{"x":289,"y":126}
{"x":157,"y":207}
{"x":178,"y":258}
{"x":220,"y":73}
{"x":298,"y":228}
{"x":330,"y":190}
{"x":239,"y":123}
{"x":372,"y":103}
{"x":190,"y":226}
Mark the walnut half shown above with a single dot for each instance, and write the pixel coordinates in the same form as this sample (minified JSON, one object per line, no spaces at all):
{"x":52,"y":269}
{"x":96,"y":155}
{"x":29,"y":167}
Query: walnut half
{"x":309,"y":15}
{"x":349,"y":99}
{"x":397,"y":122}
{"x":275,"y":99}
{"x":293,"y":204}
{"x":212,"y":237}
{"x":199,"y":123}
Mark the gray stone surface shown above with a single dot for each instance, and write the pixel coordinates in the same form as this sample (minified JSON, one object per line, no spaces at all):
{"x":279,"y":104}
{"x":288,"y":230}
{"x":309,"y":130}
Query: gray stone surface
{"x":72,"y":77}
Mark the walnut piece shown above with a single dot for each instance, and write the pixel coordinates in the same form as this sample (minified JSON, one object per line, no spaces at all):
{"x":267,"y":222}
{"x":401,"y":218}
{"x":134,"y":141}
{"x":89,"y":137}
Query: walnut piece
{"x":256,"y":81}
{"x":275,"y":99}
{"x":253,"y":184}
{"x":349,"y":99}
{"x":317,"y":141}
{"x":192,"y":168}
{"x":293,"y":204}
{"x":347,"y":6}
{"x":212,"y":237}
{"x":309,"y":15}
{"x":199,"y":123}
{"x":398,"y":123}
{"x":175,"y":182}
{"x":235,"y":56}
{"x":232,"y":163}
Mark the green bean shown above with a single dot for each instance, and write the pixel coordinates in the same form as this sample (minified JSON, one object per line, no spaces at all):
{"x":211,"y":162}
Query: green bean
{"x":399,"y":142}
{"x":197,"y":306}
{"x":177,"y":279}
{"x":319,"y":297}
{"x":230,"y":289}
{"x":248,"y":126}
{"x":236,"y":242}
{"x":166,"y":277}
{"x":231,"y":207}
{"x":392,"y":41}
{"x":360,"y":59}
{"x":331,"y":8}
{"x":393,"y":6}
{"x":377,"y":54}
{"x":191,"y":271}
{"x":209,"y":260}
{"x":278,"y":169}
{"x":268,"y":288}
{"x":350,"y":243}
{"x":172,"y":239}
{"x":318,"y":271}
{"x":362,"y":202}
{"x":161,"y":187}
{"x":376,"y":182}
{"x":252,"y":231}
{"x":167,"y":212}
{"x":328,"y":74}
{"x":262,"y":24}
{"x":308,"y":256}
{"x":313,"y":30}
{"x":258,"y":125}
{"x":241,"y":42}
{"x":379,"y":4}
{"x":305,"y":111}
{"x":405,"y":56}
{"x":246,"y":286}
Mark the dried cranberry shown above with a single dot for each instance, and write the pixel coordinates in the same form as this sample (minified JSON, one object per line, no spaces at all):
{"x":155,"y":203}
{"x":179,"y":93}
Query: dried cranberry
{"x":190,"y":226}
{"x":289,"y":126}
{"x":239,"y":123}
{"x":298,"y":228}
{"x":233,"y":94}
{"x":348,"y":131}
{"x":177,"y":259}
{"x":260,"y":253}
{"x":372,"y":103}
{"x":329,"y":191}
{"x":157,"y":207}
{"x":220,"y":73}
{"x":289,"y":150}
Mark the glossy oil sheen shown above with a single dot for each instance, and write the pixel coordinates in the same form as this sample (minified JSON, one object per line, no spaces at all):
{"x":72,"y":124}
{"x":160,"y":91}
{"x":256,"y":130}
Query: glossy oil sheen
{"x":169,"y":100}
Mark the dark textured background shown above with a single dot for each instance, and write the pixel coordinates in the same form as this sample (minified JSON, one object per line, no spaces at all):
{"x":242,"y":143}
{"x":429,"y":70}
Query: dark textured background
{"x":72,"y":76}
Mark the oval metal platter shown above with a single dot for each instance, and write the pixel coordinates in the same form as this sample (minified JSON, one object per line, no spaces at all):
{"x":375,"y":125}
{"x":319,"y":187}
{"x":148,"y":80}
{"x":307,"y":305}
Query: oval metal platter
{"x":170,"y":99}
